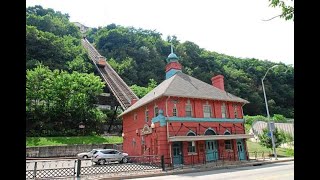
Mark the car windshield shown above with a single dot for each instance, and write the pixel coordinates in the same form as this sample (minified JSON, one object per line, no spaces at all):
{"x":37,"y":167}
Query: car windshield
{"x":93,"y":151}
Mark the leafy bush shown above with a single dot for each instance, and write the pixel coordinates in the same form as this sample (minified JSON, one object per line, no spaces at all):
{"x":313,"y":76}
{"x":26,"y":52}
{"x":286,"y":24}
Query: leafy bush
{"x":266,"y":141}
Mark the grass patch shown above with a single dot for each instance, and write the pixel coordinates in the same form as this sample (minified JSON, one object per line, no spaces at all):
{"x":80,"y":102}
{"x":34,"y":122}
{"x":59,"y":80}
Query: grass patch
{"x":58,"y":141}
{"x":281,"y":152}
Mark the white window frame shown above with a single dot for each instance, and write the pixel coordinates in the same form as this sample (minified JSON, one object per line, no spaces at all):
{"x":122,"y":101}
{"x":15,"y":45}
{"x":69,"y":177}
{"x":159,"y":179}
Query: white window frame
{"x":175,"y":110}
{"x":229,"y":147}
{"x":224,"y":111}
{"x":156,"y":113}
{"x":189,"y":106}
{"x":192,"y":149}
{"x":210,"y":111}
{"x":235,"y":110}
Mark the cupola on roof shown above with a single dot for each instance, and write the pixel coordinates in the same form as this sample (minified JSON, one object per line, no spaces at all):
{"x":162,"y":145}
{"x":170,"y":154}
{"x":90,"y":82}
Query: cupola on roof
{"x":172,"y":56}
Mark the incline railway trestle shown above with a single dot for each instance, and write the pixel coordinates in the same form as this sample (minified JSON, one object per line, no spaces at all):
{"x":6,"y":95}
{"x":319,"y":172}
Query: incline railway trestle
{"x":118,"y":87}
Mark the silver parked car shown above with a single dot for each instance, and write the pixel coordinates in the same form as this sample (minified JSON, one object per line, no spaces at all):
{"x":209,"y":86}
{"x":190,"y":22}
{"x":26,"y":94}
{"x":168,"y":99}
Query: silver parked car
{"x":102,"y":156}
{"x":86,"y":155}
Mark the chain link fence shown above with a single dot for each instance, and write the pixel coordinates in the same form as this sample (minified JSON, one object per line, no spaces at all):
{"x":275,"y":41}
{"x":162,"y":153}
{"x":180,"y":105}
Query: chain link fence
{"x":71,"y":168}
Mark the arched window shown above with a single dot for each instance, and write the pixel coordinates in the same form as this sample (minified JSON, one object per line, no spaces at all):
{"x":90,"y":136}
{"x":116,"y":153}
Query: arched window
{"x":191,"y":133}
{"x":227,"y":143}
{"x":209,"y":131}
{"x":191,"y":144}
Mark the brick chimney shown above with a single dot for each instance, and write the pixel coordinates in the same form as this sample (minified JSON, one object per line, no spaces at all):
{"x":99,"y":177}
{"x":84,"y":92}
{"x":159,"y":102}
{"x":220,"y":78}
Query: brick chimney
{"x":133,"y":101}
{"x":217,"y":81}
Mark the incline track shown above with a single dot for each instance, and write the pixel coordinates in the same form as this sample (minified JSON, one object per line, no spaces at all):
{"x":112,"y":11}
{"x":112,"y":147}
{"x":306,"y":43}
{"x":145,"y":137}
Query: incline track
{"x":118,"y":87}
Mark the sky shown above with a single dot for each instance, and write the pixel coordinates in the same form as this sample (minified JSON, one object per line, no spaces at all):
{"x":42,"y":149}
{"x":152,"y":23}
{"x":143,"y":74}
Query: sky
{"x":231,"y":27}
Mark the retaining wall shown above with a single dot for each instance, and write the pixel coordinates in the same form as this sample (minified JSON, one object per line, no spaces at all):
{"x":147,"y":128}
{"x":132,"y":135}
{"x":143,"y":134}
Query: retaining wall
{"x":66,"y":151}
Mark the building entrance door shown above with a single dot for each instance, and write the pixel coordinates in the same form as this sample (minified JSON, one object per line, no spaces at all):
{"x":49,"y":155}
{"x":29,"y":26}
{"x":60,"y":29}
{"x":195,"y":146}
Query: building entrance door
{"x":211,"y":151}
{"x":177,"y":153}
{"x":241,"y":150}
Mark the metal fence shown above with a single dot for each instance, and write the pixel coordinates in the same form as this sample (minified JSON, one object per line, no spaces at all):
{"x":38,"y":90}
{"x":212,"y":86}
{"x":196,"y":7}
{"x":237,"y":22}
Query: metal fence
{"x":259,"y":155}
{"x":213,"y":159}
{"x":72,"y":168}
{"x":47,"y":169}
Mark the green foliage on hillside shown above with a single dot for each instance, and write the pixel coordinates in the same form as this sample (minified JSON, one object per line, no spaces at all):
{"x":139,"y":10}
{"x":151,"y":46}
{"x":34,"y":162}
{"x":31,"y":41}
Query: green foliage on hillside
{"x":144,"y":51}
{"x":57,"y":101}
{"x":142,"y":91}
{"x":51,"y":39}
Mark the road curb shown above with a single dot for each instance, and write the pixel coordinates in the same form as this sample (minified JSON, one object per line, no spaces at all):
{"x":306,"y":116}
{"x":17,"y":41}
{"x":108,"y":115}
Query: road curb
{"x":191,"y":170}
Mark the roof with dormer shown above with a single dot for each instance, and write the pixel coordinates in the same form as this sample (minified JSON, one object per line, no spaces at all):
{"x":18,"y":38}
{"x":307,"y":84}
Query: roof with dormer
{"x":183,"y":85}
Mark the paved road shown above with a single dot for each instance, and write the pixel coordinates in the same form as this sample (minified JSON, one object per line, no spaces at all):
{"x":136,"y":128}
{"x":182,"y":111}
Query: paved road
{"x":283,"y":171}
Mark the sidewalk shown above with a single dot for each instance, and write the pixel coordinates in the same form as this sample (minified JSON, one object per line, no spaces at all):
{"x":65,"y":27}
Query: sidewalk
{"x":183,"y":170}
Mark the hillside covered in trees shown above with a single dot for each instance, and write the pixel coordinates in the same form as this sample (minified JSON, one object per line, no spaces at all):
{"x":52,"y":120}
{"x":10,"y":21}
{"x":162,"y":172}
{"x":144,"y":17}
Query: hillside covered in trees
{"x":138,"y":55}
{"x":62,"y":84}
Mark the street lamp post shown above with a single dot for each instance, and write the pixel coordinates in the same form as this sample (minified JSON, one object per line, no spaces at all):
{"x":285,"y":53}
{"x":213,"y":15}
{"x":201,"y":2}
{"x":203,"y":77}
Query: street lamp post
{"x":265,"y":99}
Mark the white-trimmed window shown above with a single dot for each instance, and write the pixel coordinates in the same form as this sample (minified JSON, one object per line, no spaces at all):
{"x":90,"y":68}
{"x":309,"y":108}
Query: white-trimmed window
{"x":188,"y":110}
{"x":156,"y":111}
{"x":191,"y":144}
{"x":227,"y":143}
{"x":210,"y":131}
{"x":147,"y":115}
{"x":235,"y":109}
{"x":206,"y":111}
{"x":174,"y":110}
{"x":224,"y":111}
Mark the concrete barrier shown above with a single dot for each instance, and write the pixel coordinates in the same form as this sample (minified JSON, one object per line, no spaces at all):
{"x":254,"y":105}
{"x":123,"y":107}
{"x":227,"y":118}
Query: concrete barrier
{"x":66,"y":151}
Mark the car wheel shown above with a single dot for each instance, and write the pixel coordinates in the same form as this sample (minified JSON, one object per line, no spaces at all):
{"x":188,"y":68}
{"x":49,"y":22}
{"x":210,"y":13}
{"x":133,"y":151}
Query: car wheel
{"x":85,"y":157}
{"x":102,"y":161}
{"x":124,"y":160}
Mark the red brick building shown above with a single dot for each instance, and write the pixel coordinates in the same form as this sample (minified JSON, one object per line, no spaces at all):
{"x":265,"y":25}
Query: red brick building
{"x":186,"y":120}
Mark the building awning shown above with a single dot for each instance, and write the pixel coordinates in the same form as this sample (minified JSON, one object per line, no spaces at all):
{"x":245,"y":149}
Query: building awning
{"x":209,"y":137}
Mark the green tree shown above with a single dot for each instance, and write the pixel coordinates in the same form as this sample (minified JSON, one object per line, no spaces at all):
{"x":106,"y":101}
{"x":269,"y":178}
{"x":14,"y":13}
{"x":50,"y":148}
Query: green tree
{"x":287,"y":10}
{"x":279,"y":118}
{"x":142,"y":91}
{"x":48,"y":20}
{"x":251,"y":119}
{"x":266,"y":141}
{"x":51,"y":50}
{"x":79,"y":65}
{"x":57,"y":101}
